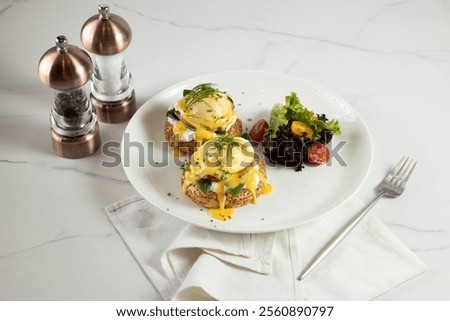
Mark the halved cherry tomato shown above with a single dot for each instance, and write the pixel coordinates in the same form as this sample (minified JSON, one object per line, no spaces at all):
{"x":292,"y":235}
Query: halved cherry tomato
{"x":318,"y":154}
{"x":257,"y":131}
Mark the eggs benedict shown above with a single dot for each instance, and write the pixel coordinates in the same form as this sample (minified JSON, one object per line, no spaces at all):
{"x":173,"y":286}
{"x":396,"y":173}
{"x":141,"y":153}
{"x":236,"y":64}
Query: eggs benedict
{"x":201,"y":114}
{"x":224,"y":173}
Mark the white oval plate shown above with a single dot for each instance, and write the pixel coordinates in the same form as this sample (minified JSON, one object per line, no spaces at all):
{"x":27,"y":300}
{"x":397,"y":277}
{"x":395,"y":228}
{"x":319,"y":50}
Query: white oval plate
{"x":298,"y":197}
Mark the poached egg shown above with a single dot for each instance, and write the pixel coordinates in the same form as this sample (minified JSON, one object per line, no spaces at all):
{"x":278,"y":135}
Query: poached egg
{"x":225,"y":166}
{"x":203,"y":116}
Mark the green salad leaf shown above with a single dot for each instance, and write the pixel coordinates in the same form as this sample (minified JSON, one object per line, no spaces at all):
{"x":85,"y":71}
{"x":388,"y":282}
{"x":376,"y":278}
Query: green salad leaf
{"x":294,"y":110}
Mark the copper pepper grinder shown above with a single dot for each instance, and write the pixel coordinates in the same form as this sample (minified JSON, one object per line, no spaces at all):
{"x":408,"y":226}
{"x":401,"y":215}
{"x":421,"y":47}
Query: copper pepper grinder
{"x":106,"y":36}
{"x":74,"y":128}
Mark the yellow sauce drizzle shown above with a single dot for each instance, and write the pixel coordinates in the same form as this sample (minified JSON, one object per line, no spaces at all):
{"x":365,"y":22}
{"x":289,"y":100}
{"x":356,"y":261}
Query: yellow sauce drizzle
{"x":250,"y":181}
{"x":267,"y":187}
{"x":247,"y":177}
{"x":179,"y":128}
{"x":201,"y":134}
{"x":221,"y":213}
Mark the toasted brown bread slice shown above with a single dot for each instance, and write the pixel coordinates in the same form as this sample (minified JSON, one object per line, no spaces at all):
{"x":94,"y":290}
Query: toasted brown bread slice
{"x":210,"y":200}
{"x":189,"y":147}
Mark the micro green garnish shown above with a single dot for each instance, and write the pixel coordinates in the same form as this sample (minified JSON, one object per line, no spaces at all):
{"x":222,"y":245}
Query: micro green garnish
{"x":224,"y":174}
{"x":186,"y":166}
{"x":225,"y":140}
{"x":200,"y":92}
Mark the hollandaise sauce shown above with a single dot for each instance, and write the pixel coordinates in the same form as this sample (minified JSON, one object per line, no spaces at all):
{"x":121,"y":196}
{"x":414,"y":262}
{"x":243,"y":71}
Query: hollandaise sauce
{"x":249,"y":181}
{"x":227,"y":167}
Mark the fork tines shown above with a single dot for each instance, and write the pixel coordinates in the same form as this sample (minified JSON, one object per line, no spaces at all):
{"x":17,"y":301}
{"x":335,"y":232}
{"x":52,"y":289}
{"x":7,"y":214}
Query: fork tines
{"x":402,"y":171}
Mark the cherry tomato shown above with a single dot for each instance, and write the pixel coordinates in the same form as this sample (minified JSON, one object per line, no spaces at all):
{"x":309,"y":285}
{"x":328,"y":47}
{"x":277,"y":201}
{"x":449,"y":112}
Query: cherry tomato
{"x":257,"y":131}
{"x":318,"y":154}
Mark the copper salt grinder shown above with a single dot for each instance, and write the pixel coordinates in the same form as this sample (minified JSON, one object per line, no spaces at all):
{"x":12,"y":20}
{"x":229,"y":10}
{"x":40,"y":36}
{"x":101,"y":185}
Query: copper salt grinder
{"x":74,"y":128}
{"x":106,"y":36}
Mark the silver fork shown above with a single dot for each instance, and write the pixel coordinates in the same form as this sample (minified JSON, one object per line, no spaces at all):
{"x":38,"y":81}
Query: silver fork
{"x":392,"y":185}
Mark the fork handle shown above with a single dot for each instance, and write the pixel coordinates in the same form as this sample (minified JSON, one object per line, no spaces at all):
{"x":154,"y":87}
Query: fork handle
{"x":339,"y":237}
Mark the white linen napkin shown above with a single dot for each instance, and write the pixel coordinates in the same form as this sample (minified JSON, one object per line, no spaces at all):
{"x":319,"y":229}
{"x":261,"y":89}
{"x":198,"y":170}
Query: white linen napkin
{"x":185,"y":262}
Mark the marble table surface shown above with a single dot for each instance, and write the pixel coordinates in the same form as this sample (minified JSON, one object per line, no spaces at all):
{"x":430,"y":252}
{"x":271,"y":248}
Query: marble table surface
{"x":390,"y":59}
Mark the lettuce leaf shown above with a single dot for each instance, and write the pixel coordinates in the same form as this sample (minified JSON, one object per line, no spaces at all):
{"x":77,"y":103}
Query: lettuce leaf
{"x":294,"y":110}
{"x":277,"y":118}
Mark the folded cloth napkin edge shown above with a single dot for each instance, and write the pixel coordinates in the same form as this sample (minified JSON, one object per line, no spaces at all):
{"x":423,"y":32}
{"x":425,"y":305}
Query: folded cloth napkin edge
{"x":165,"y":288}
{"x":153,"y":274}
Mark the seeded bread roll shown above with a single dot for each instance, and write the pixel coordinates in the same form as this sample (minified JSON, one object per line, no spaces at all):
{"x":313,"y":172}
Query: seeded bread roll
{"x":210,"y":200}
{"x":189,"y":147}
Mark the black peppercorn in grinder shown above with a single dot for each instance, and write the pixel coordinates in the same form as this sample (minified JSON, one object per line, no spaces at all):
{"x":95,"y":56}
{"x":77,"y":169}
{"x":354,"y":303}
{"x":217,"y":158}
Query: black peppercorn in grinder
{"x":74,"y":128}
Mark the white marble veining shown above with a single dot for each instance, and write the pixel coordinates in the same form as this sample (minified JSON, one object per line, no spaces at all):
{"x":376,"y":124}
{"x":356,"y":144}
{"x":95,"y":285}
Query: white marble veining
{"x":389,"y":59}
